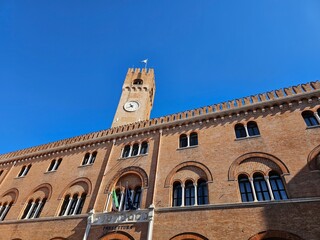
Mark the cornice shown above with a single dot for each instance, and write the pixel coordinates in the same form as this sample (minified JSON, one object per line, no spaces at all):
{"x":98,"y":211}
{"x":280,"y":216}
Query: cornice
{"x":256,"y":104}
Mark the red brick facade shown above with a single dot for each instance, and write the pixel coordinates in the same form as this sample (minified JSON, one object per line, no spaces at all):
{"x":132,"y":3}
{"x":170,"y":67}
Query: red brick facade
{"x":74,"y":200}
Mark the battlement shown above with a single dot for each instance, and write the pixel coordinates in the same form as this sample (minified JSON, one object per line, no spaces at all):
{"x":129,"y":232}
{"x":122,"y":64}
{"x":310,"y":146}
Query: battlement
{"x":300,"y":91}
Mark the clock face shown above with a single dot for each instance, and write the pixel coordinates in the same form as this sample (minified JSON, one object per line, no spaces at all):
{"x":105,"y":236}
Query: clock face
{"x":131,"y":106}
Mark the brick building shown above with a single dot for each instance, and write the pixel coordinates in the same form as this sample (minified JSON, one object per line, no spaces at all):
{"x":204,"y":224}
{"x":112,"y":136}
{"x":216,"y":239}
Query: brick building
{"x":244,"y":169}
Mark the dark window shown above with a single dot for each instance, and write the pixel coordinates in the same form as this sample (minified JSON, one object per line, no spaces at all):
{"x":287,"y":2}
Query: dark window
{"x":53,"y":162}
{"x":183,"y":140}
{"x":82,"y":200}
{"x":245,"y":189}
{"x":277,"y":186}
{"x":189,"y":193}
{"x":93,"y":157}
{"x":137,"y":82}
{"x":73,"y":204}
{"x":202,"y":192}
{"x":309,"y":118}
{"x":261,"y":187}
{"x":4,"y":210}
{"x":1,"y":172}
{"x":135,"y":149}
{"x":193,"y":139}
{"x":21,"y":171}
{"x":240,"y":131}
{"x":253,"y":129}
{"x":137,"y":196}
{"x":54,"y":165}
{"x":144,"y":148}
{"x":27,"y":209}
{"x":58,"y":163}
{"x":177,"y":194}
{"x":64,"y":205}
{"x":126,"y":151}
{"x":86,"y":159}
{"x":41,"y":207}
{"x":34,"y":208}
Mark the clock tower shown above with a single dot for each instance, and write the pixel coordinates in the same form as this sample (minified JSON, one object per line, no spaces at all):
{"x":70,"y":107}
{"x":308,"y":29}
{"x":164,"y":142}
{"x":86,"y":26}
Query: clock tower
{"x":137,"y":96}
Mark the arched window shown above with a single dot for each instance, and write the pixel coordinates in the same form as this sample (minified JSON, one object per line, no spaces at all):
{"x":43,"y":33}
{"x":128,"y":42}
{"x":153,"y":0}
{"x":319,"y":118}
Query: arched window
{"x":189,"y":193}
{"x":277,"y":187}
{"x":253,"y":129}
{"x":81,"y":203}
{"x":135,"y":149}
{"x":309,"y":118}
{"x":136,"y":198}
{"x":4,"y":209}
{"x":93,"y":157}
{"x":144,"y":148}
{"x":183,"y":140}
{"x":240,"y":130}
{"x":64,"y":205}
{"x":86,"y":159}
{"x":72,"y":205}
{"x":245,"y":189}
{"x":193,"y":139}
{"x":54,"y":165}
{"x":137,"y":82}
{"x":261,"y":187}
{"x":202,"y":192}
{"x":126,"y":151}
{"x":33,"y":208}
{"x":177,"y":194}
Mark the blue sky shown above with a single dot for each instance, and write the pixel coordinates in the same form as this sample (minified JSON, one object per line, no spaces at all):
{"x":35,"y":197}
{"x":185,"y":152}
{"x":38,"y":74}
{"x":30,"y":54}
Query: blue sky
{"x":62,"y":63}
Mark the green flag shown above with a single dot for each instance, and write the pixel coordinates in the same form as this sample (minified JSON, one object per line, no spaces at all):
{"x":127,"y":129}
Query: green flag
{"x":115,"y":199}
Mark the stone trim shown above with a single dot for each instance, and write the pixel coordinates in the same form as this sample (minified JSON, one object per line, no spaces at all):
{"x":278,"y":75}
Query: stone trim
{"x":236,"y":205}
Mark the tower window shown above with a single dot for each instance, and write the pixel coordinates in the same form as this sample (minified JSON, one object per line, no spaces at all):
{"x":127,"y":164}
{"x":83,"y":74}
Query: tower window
{"x":4,"y":209}
{"x":137,"y":82}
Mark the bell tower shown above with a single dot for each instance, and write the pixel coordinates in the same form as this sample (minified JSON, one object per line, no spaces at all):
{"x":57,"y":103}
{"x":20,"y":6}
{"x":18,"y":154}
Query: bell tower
{"x":137,"y":96}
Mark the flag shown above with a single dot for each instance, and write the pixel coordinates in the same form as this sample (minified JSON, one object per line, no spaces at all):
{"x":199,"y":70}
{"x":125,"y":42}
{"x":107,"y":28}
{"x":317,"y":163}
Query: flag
{"x":129,"y":202}
{"x":115,"y":205}
{"x":145,"y":61}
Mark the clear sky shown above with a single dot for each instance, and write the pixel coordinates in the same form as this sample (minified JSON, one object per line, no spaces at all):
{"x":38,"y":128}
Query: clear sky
{"x":62,"y":63}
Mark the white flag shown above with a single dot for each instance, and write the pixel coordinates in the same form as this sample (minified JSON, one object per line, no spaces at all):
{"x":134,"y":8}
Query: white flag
{"x":145,"y":61}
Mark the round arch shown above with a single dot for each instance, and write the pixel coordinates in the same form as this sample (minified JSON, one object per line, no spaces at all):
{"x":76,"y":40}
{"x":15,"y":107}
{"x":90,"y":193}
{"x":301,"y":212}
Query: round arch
{"x":78,"y":181}
{"x":188,"y":164}
{"x":275,"y":235}
{"x":46,"y":188}
{"x":119,"y":235}
{"x":239,"y":160}
{"x":11,"y":195}
{"x":189,"y":235}
{"x":135,"y":170}
{"x":312,"y":158}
